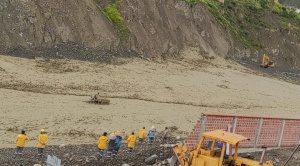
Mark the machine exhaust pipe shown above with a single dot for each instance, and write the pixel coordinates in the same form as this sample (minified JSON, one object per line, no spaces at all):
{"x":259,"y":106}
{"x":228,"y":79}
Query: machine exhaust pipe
{"x":263,"y":155}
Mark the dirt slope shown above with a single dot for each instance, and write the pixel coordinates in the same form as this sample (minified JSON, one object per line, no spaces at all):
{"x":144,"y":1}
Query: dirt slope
{"x":276,"y":37}
{"x":157,"y":29}
{"x":164,"y":28}
{"x":78,"y":30}
{"x":54,"y":28}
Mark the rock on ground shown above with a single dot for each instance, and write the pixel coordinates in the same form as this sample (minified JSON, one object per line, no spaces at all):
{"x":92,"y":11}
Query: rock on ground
{"x":86,"y":155}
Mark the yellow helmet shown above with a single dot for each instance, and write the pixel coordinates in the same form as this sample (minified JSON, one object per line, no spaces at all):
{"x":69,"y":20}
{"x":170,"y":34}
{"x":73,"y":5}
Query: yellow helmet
{"x":42,"y":130}
{"x":112,"y":134}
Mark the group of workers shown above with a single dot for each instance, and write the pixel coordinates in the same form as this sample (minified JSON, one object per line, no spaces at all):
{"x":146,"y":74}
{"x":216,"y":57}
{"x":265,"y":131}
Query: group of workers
{"x":21,"y":141}
{"x":110,"y":144}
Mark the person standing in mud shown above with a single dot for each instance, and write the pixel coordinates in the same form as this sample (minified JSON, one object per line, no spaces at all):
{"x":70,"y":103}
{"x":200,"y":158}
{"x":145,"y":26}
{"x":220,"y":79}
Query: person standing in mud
{"x":42,"y":141}
{"x":131,"y":142}
{"x":151,"y":134}
{"x":111,"y":144}
{"x":20,"y":141}
{"x":102,"y":144}
{"x":118,"y":142}
{"x":142,"y":135}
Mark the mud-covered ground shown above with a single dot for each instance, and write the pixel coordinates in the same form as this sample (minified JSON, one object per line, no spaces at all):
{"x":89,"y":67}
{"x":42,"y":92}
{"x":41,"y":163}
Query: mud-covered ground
{"x":85,"y":155}
{"x":50,"y":94}
{"x":279,"y":72}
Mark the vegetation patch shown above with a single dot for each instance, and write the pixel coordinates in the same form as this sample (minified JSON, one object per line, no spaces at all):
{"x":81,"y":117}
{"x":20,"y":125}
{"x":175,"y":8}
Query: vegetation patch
{"x":235,"y":15}
{"x":284,"y":12}
{"x":192,"y":2}
{"x":238,"y":16}
{"x":112,"y":12}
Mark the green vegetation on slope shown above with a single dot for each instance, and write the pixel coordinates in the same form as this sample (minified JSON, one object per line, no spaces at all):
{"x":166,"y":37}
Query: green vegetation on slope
{"x":192,"y":2}
{"x":238,"y":15}
{"x":283,"y":11}
{"x":111,"y":11}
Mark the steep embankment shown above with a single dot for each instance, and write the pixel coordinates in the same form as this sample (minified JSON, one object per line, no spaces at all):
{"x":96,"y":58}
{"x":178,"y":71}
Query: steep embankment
{"x":54,"y":28}
{"x":156,"y":29}
{"x":260,"y":27}
{"x":81,"y":29}
{"x":166,"y":27}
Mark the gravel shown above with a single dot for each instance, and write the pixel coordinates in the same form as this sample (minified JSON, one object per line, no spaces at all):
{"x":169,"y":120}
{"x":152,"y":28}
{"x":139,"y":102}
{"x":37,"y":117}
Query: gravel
{"x":85,"y":155}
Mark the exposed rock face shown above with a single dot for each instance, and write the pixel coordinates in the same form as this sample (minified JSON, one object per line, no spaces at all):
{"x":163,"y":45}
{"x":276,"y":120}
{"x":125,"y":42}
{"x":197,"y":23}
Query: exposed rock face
{"x":162,"y":28}
{"x":54,"y":28}
{"x":57,"y":28}
{"x":42,"y":23}
{"x":158,"y":29}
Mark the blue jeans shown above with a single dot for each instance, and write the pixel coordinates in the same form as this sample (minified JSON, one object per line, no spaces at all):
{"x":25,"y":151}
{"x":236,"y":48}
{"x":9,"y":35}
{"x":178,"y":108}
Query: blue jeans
{"x":141,"y":140}
{"x":111,"y":151}
{"x":151,"y":140}
{"x":19,"y":151}
{"x":100,"y":152}
{"x":116,"y":150}
{"x":40,"y":151}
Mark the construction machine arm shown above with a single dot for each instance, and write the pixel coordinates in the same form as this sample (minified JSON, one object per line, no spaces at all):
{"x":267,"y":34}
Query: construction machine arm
{"x":265,"y":60}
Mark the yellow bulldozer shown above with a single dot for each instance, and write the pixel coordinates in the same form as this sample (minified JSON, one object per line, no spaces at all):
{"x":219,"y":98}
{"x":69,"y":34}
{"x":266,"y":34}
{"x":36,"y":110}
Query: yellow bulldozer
{"x":266,"y":62}
{"x":216,"y":155}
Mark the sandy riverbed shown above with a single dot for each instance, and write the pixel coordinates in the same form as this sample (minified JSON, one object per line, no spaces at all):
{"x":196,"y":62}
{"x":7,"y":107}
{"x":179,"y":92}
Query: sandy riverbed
{"x":50,"y":94}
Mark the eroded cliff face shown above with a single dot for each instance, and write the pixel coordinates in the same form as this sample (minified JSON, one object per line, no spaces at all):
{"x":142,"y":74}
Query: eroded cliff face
{"x":54,"y":28}
{"x":44,"y":22}
{"x":79,"y":29}
{"x":163,"y":28}
{"x":282,"y":44}
{"x":157,"y":29}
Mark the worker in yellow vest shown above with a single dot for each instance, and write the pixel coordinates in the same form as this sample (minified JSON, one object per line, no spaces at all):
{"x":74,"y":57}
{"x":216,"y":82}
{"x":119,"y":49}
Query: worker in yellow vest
{"x":42,"y":141}
{"x":102,"y":144}
{"x":131,"y":142}
{"x":142,"y":135}
{"x":20,"y":141}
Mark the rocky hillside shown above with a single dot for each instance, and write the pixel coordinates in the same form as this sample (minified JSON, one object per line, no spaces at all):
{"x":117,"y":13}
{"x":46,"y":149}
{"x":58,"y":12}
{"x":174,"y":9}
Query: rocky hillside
{"x":89,"y":29}
{"x":260,"y":27}
{"x":155,"y":29}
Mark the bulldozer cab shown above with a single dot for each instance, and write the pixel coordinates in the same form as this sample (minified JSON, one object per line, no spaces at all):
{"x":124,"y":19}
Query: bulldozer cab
{"x":212,"y":154}
{"x":211,"y":151}
{"x":215,"y":153}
